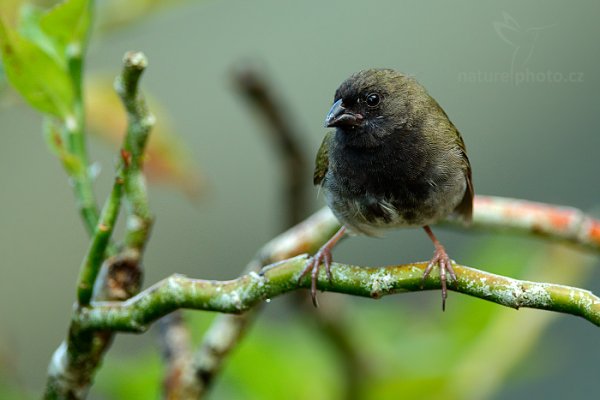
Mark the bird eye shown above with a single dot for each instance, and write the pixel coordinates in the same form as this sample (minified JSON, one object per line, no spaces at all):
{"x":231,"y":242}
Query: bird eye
{"x":373,"y":100}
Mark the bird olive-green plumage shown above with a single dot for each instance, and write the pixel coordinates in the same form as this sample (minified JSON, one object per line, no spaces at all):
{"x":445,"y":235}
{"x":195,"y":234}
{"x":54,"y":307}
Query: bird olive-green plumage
{"x":394,"y":160}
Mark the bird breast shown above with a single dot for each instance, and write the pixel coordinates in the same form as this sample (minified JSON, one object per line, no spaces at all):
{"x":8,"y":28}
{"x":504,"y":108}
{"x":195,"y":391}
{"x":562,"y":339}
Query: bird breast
{"x":370,"y":193}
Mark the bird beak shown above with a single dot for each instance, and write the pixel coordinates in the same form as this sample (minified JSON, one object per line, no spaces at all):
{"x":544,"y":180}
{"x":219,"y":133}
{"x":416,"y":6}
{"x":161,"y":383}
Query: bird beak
{"x":340,"y":116}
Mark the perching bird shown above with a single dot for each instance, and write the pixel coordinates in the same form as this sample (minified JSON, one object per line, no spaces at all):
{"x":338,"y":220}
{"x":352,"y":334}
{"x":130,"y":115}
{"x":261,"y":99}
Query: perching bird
{"x":394,"y":160}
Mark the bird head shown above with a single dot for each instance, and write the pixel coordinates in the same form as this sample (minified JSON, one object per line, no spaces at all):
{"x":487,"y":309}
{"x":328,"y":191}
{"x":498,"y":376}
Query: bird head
{"x":372,"y":105}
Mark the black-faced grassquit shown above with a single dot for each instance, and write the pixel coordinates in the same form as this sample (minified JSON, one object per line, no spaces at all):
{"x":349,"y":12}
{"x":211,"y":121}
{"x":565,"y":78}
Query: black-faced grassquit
{"x":394,"y":160}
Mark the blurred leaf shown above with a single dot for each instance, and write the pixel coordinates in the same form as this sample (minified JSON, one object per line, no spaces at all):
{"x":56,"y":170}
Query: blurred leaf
{"x":2,"y":78}
{"x":8,"y":391}
{"x":10,"y":10}
{"x":36,"y":58}
{"x":393,"y":387}
{"x":10,"y":387}
{"x":123,"y":377}
{"x":117,"y":13}
{"x":280,"y":359}
{"x":29,"y":27}
{"x":43,"y":83}
{"x":167,"y":159}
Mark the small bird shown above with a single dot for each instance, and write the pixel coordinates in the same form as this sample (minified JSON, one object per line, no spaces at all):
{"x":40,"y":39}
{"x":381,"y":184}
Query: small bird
{"x":394,"y":160}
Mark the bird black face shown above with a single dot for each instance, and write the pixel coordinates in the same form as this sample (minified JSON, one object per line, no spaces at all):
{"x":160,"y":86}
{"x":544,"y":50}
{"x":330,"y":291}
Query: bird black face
{"x":365,"y":108}
{"x":352,"y":111}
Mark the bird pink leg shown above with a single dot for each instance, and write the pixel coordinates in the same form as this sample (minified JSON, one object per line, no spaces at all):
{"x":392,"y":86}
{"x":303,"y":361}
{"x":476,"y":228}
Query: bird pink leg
{"x":441,"y":258}
{"x":321,"y":256}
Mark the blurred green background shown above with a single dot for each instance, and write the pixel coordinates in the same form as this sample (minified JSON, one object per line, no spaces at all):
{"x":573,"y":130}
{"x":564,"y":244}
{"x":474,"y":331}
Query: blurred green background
{"x":518,"y":79}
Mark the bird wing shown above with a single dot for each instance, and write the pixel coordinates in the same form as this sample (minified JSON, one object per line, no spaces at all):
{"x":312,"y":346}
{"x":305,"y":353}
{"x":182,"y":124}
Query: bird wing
{"x":465,"y":207}
{"x":322,"y":161}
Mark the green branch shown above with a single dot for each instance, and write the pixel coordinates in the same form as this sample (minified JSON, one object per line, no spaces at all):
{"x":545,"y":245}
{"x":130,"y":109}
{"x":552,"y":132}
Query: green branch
{"x":129,"y":174}
{"x":238,"y":295}
{"x":140,"y":122}
{"x":74,"y":52}
{"x":97,"y":252}
{"x":76,"y":360}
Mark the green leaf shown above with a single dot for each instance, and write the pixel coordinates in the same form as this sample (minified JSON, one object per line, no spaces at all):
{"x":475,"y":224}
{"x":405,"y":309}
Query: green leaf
{"x":30,"y":28}
{"x":68,"y":25}
{"x":2,"y":78}
{"x":43,"y":82}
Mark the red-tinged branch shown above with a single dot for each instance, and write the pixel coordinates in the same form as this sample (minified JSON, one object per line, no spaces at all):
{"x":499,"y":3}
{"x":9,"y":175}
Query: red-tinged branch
{"x":560,"y":223}
{"x":551,"y":221}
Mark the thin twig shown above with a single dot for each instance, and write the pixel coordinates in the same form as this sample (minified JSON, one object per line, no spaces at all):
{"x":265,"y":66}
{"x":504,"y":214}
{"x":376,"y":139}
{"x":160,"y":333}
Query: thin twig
{"x":100,"y":241}
{"x":177,"y":352}
{"x":140,"y":122}
{"x":254,"y":86}
{"x":74,"y":133}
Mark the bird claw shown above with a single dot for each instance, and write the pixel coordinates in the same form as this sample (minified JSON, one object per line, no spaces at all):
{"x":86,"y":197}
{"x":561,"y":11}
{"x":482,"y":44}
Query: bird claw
{"x":441,"y":258}
{"x":323,"y":256}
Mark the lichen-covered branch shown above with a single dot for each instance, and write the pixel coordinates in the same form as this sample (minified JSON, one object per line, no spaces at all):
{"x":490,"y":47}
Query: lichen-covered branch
{"x":238,"y":295}
{"x":552,"y":222}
